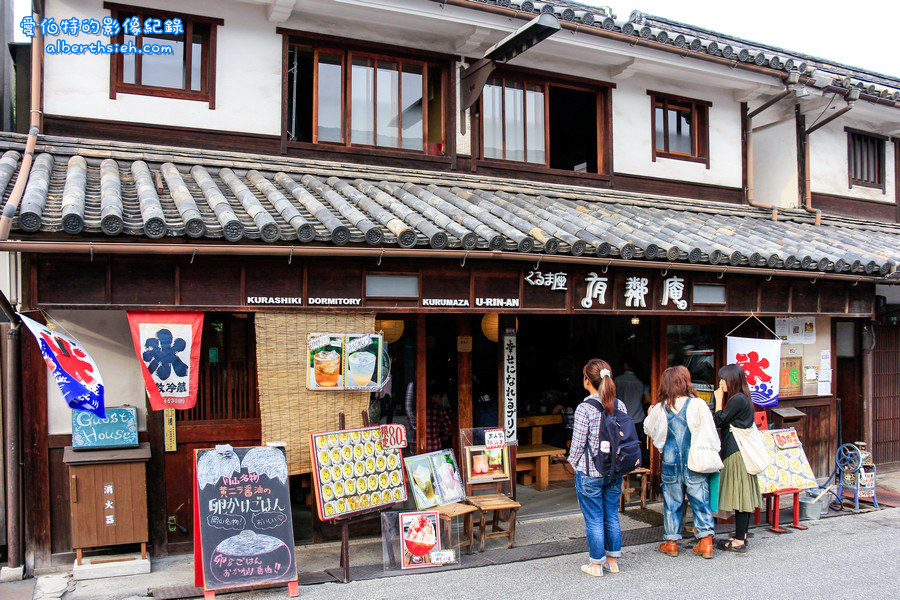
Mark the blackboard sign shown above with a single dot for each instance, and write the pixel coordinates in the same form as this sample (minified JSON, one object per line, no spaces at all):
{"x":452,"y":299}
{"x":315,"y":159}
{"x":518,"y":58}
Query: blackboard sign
{"x":244,"y":506}
{"x":118,"y":430}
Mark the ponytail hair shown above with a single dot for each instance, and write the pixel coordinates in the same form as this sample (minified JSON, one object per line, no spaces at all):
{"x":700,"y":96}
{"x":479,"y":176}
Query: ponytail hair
{"x":599,"y":373}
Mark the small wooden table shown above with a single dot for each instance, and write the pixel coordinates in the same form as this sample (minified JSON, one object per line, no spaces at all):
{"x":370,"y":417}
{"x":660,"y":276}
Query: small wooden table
{"x":537,"y":424}
{"x":644,"y":475}
{"x":495,"y":503}
{"x":536,"y":458}
{"x":467,"y":512}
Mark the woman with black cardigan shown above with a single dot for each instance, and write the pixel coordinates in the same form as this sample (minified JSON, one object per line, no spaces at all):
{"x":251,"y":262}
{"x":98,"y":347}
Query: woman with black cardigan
{"x":738,"y":489}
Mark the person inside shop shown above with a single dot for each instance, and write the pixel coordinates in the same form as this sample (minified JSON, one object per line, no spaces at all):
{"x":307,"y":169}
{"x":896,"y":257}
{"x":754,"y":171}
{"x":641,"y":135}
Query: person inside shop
{"x":636,"y":396}
{"x":438,"y":428}
{"x":739,"y":490}
{"x":598,"y":495}
{"x":485,"y":410}
{"x":673,"y":421}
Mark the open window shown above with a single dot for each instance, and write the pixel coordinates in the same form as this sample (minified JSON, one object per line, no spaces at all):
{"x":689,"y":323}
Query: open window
{"x":350,"y":98}
{"x":557,"y":126}
{"x":184,"y":69}
{"x":680,"y":128}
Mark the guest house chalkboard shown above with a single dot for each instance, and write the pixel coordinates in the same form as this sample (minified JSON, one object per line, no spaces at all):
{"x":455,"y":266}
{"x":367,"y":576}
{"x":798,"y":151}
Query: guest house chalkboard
{"x":246,"y":532}
{"x":118,"y":430}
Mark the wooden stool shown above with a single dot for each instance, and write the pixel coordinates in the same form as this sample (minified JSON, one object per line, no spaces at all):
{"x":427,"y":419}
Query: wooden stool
{"x":534,"y":459}
{"x":495,"y":503}
{"x":467,"y":512}
{"x":644,"y":475}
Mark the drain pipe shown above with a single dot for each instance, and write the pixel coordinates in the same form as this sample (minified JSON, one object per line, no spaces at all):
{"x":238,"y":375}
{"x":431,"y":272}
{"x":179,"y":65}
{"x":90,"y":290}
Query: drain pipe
{"x":792,"y":80}
{"x":850,"y":98}
{"x":12,"y":204}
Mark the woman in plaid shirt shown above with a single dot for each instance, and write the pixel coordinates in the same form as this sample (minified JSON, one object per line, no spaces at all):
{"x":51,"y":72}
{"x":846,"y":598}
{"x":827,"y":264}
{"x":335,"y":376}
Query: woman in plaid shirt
{"x":598,"y":496}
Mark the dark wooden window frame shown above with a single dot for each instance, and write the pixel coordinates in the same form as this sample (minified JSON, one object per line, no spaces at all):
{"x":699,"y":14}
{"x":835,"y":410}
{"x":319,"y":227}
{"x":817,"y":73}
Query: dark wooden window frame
{"x":880,"y":142}
{"x":699,"y":110}
{"x":542,"y":79}
{"x":207,"y":91}
{"x":378,"y":52}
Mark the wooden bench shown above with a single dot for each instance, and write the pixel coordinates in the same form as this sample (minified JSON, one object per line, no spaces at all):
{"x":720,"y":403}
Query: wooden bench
{"x":495,"y":503}
{"x":467,"y":512}
{"x":644,"y":475}
{"x":535,"y":459}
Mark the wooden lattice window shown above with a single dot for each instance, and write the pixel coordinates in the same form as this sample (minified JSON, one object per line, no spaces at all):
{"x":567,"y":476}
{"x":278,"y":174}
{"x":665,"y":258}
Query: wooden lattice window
{"x":865,"y":155}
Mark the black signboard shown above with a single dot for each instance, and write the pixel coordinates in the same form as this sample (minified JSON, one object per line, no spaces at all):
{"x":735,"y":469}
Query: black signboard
{"x":244,"y":513}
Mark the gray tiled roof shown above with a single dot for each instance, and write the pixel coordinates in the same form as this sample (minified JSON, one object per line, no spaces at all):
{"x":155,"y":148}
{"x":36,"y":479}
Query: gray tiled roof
{"x":698,"y":41}
{"x":102,"y":190}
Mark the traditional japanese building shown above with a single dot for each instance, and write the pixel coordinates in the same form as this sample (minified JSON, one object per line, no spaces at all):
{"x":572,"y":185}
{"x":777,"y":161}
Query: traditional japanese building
{"x":632,"y":189}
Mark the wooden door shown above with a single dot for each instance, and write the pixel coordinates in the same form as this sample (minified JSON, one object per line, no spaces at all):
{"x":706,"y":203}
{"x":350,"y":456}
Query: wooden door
{"x":227,"y":412}
{"x":886,"y":395}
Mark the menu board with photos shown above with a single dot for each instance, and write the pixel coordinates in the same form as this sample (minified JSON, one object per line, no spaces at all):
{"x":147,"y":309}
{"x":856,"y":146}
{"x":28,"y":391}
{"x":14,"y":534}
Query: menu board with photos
{"x":353,"y":472}
{"x":788,"y":465}
{"x":338,"y":361}
{"x":434,"y":479}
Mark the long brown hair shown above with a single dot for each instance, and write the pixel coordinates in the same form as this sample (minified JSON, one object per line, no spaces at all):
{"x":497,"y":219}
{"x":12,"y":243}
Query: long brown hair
{"x":735,"y":381}
{"x":603,"y":383}
{"x":675,"y":383}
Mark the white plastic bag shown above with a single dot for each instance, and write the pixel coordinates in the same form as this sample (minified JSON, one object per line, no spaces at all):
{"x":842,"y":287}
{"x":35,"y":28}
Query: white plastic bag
{"x":703,"y":456}
{"x":753,"y":451}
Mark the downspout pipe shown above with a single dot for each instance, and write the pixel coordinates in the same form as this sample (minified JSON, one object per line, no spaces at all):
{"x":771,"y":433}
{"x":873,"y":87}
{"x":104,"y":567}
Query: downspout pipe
{"x":12,"y":204}
{"x":12,"y":465}
{"x":851,"y":96}
{"x":792,"y":80}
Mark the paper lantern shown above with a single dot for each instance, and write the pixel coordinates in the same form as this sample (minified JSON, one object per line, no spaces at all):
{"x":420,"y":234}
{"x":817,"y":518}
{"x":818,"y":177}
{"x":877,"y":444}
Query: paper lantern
{"x":490,"y":325}
{"x":392,"y":329}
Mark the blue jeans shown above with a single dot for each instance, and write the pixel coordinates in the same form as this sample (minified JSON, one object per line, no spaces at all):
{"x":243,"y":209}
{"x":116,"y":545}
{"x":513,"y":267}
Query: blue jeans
{"x":598,"y":498}
{"x":675,"y":483}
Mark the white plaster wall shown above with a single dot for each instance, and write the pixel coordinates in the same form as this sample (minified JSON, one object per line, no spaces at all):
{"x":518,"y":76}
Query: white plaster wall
{"x":632,"y":137}
{"x":775,"y":164}
{"x":107,"y":338}
{"x":828,"y":160}
{"x":248,"y":73}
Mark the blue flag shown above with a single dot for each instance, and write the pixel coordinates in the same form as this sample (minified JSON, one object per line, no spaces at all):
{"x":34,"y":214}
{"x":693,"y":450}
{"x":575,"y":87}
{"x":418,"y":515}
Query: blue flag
{"x":73,"y":369}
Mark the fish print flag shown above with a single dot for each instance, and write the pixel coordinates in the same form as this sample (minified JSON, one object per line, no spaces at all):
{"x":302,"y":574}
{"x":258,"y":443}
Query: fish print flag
{"x":168,"y":347}
{"x":761,"y":362}
{"x":73,"y":369}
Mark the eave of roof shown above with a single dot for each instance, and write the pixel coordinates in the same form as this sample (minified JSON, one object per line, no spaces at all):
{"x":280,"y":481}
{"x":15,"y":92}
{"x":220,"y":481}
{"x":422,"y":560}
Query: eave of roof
{"x":205,"y":197}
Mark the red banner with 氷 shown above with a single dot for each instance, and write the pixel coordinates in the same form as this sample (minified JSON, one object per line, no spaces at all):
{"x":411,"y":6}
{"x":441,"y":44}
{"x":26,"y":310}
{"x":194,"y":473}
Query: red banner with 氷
{"x":167,"y":345}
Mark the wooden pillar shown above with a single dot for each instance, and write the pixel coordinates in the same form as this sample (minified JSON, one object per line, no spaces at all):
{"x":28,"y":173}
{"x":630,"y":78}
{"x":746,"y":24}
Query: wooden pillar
{"x":156,"y":480}
{"x":464,"y":377}
{"x":868,"y":384}
{"x":35,"y":443}
{"x":421,"y":382}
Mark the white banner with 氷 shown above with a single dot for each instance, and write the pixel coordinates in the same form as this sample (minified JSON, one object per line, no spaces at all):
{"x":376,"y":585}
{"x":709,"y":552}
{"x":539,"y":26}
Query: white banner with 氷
{"x":760,"y":360}
{"x":509,"y":386}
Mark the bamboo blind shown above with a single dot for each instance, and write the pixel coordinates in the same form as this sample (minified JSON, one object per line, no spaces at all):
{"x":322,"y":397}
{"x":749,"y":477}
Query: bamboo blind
{"x":289,"y":412}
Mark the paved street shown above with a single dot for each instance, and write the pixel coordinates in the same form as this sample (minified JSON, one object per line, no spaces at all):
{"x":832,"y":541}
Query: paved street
{"x":819,"y":563}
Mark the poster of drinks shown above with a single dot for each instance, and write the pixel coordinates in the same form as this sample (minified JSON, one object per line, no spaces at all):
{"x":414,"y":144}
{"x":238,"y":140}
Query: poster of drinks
{"x":434,"y":479}
{"x":420,"y":532}
{"x":486,"y":464}
{"x":353,"y":472}
{"x":338,"y":361}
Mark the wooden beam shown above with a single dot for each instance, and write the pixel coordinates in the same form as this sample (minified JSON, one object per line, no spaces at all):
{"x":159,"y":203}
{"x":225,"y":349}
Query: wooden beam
{"x":421,"y":381}
{"x":464,"y":377}
{"x":36,"y":475}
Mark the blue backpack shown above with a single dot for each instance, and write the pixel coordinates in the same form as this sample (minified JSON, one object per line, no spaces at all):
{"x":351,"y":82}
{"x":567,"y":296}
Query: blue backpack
{"x":618,"y":430}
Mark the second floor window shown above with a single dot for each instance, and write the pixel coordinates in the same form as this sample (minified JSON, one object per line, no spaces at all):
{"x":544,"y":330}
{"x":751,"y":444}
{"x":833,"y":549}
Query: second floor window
{"x":680,"y":128}
{"x":187,"y":72}
{"x":865,"y":153}
{"x":351,"y":98}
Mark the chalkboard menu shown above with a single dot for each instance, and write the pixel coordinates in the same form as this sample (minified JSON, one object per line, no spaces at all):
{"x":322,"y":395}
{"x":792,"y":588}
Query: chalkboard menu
{"x":244,"y":504}
{"x":118,"y":430}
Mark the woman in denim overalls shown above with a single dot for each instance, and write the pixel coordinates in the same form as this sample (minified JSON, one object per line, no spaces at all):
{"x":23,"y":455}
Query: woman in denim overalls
{"x":681,"y":409}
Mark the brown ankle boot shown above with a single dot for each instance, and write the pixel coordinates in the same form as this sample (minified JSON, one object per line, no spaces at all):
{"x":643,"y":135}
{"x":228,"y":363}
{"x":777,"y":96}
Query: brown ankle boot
{"x":670,"y":548}
{"x":705,"y":547}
